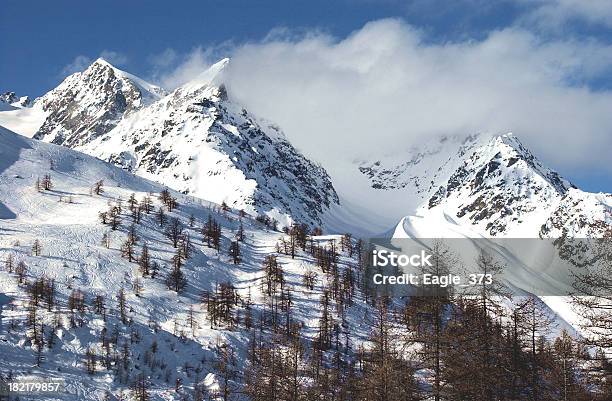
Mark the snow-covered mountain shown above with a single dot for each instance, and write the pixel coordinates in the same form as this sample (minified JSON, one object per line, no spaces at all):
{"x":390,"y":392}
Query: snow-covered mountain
{"x":90,"y":103}
{"x":10,"y":101}
{"x":194,"y":140}
{"x":492,"y":184}
{"x":199,"y":141}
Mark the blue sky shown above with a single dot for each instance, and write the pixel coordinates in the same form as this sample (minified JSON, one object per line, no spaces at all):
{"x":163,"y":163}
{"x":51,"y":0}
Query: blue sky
{"x":43,"y":41}
{"x":39,"y":41}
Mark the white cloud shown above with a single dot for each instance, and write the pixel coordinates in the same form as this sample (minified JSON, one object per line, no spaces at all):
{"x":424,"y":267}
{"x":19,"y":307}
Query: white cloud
{"x":165,"y":59}
{"x":81,"y":62}
{"x":384,"y":87}
{"x":113,"y":57}
{"x":172,"y":69}
{"x":554,"y":13}
{"x":78,"y":64}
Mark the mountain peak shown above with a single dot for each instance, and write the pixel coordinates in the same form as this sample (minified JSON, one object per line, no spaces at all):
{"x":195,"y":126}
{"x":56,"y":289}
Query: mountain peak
{"x":103,"y":62}
{"x":90,"y":103}
{"x":9,"y":101}
{"x":500,"y":186}
{"x":213,"y":75}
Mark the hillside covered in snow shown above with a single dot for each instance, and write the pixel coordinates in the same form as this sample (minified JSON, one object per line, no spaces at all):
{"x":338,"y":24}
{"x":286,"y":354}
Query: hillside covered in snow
{"x":89,"y":251}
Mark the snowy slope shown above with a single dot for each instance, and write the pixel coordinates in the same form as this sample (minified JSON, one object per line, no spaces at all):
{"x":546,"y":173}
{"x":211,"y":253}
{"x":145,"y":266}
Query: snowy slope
{"x":90,"y":103}
{"x":20,"y":114}
{"x":65,"y":221}
{"x":25,"y":121}
{"x":580,"y":214}
{"x":198,"y":141}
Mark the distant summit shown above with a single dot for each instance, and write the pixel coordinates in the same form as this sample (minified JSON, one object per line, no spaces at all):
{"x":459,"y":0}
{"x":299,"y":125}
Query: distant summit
{"x":10,"y":101}
{"x":90,"y":103}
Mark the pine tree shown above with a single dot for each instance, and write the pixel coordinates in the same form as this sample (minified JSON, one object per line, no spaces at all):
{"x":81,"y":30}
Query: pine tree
{"x":234,"y":252}
{"x":21,"y":270}
{"x":133,"y":235}
{"x":164,"y":196}
{"x":386,"y":376}
{"x":227,"y":372}
{"x":46,"y":183}
{"x":122,"y":304}
{"x":176,"y":280}
{"x":434,"y":306}
{"x":191,"y":319}
{"x":106,"y":240}
{"x":132,"y":202}
{"x":489,"y":292}
{"x":563,"y":375}
{"x":346,"y":244}
{"x":309,"y":279}
{"x":137,"y":214}
{"x":144,"y":262}
{"x":140,"y":388}
{"x":36,"y":248}
{"x":99,"y":305}
{"x":536,"y":324}
{"x":167,"y":199}
{"x":114,"y":217}
{"x":98,"y":187}
{"x":185,"y":246}
{"x":9,"y":263}
{"x":174,"y":231}
{"x":161,"y":217}
{"x":147,"y":204}
{"x":90,"y":360}
{"x":127,"y":250}
{"x":172,"y":204}
{"x":240,"y":233}
{"x":137,"y":286}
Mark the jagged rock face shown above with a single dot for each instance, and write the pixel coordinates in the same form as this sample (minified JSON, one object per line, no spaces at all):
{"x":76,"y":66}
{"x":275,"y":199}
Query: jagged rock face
{"x":499,"y":185}
{"x":8,"y":97}
{"x":12,"y":99}
{"x":494,"y":184}
{"x":91,"y":103}
{"x":197,"y":141}
{"x":580,"y":215}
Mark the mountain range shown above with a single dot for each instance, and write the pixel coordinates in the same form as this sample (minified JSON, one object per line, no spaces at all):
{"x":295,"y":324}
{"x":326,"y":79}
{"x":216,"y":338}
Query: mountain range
{"x":197,"y":140}
{"x":104,"y":140}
